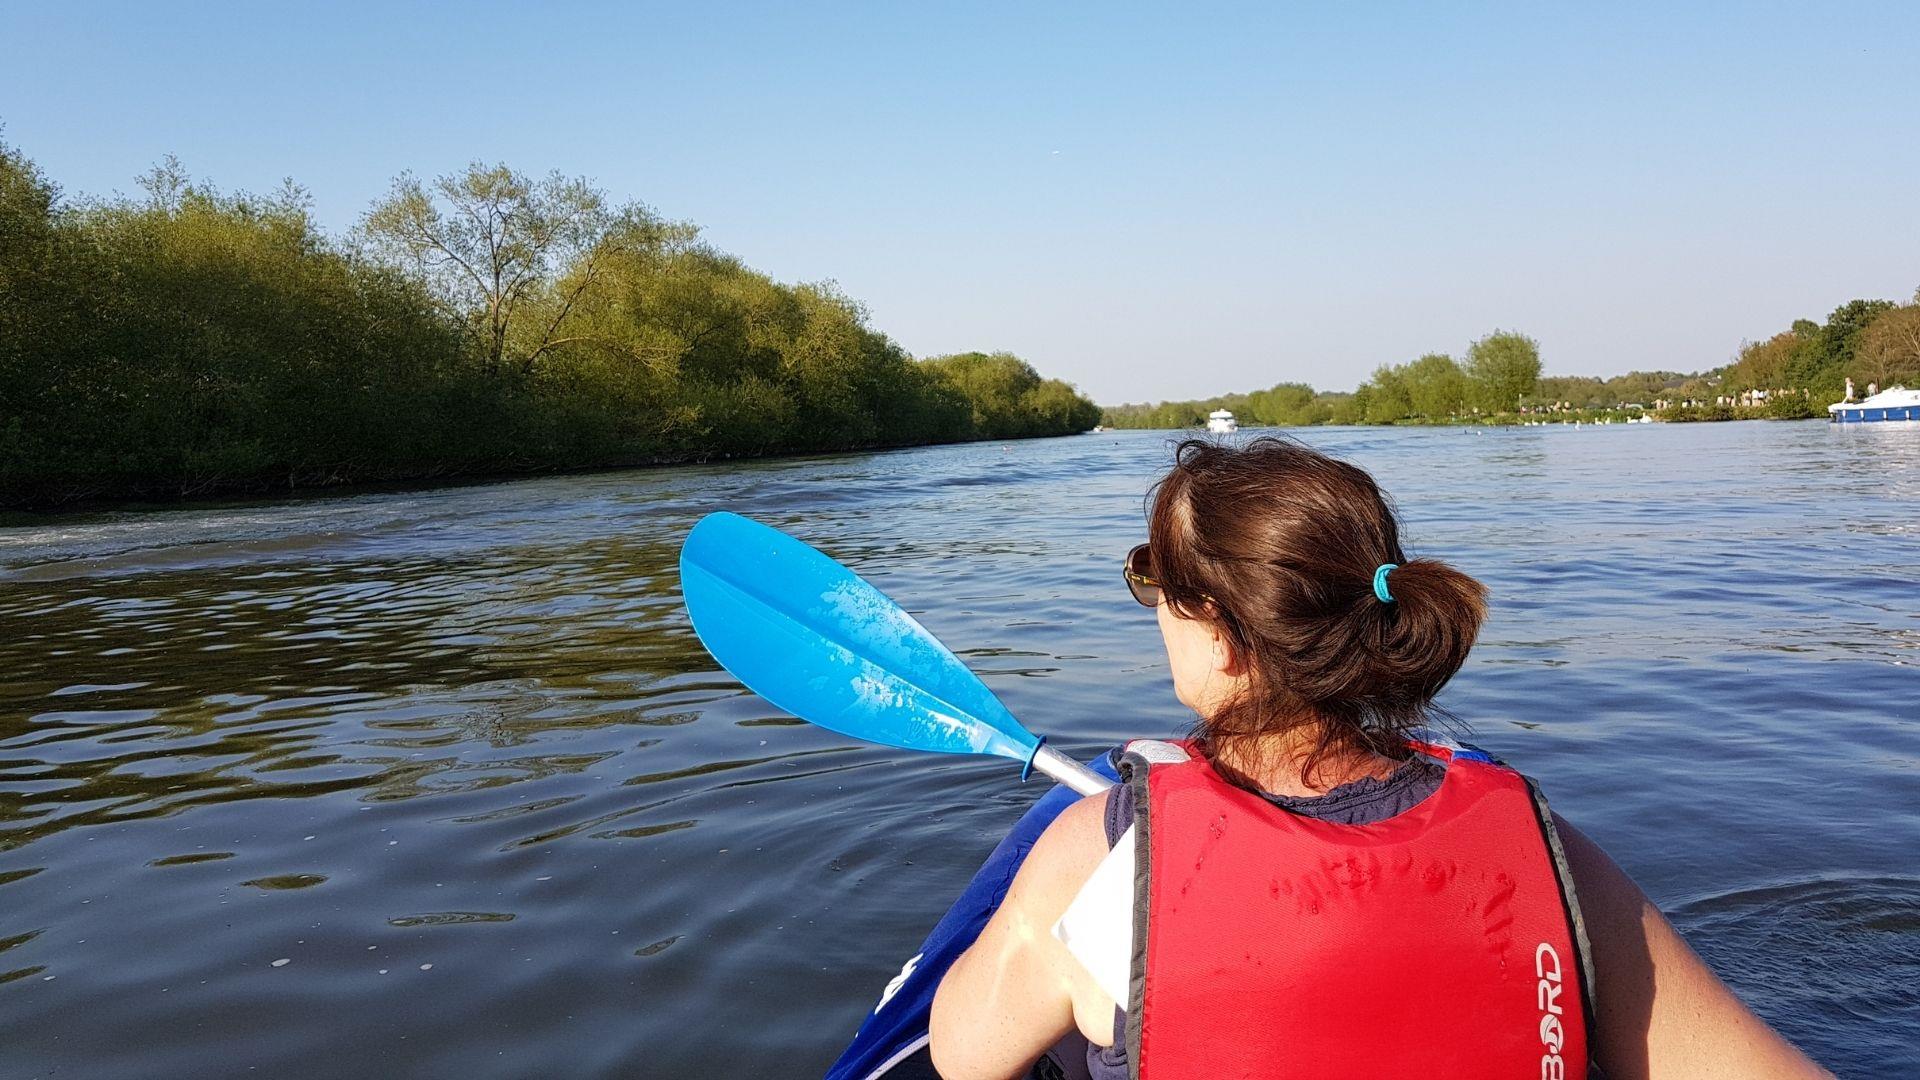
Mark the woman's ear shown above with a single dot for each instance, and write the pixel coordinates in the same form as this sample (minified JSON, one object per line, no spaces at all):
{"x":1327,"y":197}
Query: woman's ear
{"x":1226,"y":658}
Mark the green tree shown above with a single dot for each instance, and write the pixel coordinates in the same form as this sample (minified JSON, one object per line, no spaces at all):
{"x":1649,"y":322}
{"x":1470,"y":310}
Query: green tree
{"x":36,"y":311}
{"x":1008,"y":397}
{"x":1641,"y":387}
{"x":1281,"y":405}
{"x":1502,"y":368}
{"x":1763,"y":365}
{"x":493,"y":242}
{"x":1573,"y":391}
{"x":1353,"y":408}
{"x":1436,"y":387}
{"x":1887,"y":350}
{"x":993,"y":384}
{"x":1387,"y":397}
{"x":1846,"y":324}
{"x":1822,"y":354}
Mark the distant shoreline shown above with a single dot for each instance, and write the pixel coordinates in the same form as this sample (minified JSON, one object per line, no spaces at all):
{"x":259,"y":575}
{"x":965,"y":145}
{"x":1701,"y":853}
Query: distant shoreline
{"x":1795,"y":374}
{"x":1586,"y":417}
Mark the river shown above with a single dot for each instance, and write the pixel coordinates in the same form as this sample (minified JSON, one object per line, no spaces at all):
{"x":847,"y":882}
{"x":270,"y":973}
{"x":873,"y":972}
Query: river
{"x":441,"y":784}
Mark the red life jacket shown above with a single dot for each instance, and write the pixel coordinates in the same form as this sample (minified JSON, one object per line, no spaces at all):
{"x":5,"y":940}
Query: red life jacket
{"x":1444,"y":941}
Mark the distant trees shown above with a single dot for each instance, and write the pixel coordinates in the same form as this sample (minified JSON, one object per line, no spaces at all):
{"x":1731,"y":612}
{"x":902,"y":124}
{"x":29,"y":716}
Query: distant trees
{"x":1802,"y":368}
{"x":1353,"y":409}
{"x":1821,"y":355}
{"x":1436,"y":387}
{"x":1286,"y":403}
{"x":1283,"y":405}
{"x":1502,"y":373}
{"x":1870,"y":341}
{"x":1008,"y":398}
{"x":1762,"y":365}
{"x":1502,"y":368}
{"x":1887,"y":350}
{"x":1387,"y":397}
{"x":1572,"y":391}
{"x":192,"y":341}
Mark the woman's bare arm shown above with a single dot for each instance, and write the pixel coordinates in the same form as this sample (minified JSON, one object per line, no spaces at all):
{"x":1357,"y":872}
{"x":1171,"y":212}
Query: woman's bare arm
{"x":1013,"y":994}
{"x":1659,"y":1011}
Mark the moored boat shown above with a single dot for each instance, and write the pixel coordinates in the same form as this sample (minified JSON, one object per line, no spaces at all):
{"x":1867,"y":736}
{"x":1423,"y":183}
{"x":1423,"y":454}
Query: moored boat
{"x":1221,"y":422}
{"x":1896,"y":403}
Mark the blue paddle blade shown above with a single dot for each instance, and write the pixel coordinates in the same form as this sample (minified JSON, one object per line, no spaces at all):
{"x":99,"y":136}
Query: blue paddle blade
{"x":818,"y":641}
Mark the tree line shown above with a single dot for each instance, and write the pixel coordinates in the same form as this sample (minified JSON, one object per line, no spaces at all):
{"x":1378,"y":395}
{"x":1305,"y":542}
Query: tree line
{"x":187,"y":341}
{"x":1498,"y":373}
{"x":1796,"y":373}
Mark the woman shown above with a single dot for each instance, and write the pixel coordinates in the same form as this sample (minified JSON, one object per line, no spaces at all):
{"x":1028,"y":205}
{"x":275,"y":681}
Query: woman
{"x":1315,"y":893}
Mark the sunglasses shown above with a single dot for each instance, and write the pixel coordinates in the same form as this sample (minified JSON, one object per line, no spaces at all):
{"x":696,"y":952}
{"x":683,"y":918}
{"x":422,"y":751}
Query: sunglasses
{"x":1142,"y":584}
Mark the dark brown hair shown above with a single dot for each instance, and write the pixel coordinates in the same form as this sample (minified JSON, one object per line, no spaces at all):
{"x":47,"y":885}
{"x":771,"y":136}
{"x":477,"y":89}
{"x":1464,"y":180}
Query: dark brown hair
{"x":1284,"y":540}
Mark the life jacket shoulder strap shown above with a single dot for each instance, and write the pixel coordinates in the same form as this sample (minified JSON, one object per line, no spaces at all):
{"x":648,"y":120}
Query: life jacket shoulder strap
{"x":1569,"y":898}
{"x":1147,"y":752}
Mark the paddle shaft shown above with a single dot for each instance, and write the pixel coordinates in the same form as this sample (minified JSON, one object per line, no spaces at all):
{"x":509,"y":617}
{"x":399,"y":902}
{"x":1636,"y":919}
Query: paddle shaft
{"x":1069,"y":772}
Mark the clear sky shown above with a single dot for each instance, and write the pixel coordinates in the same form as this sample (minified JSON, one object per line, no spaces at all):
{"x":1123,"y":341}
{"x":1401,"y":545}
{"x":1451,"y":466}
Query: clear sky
{"x":1150,"y":202}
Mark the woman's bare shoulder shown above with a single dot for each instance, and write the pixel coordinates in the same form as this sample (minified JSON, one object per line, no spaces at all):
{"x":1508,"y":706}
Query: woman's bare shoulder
{"x":1013,"y":992}
{"x":1066,"y":853}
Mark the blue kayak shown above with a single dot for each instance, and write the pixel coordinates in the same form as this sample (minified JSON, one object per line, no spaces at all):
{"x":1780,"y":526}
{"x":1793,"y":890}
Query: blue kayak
{"x":892,"y":1042}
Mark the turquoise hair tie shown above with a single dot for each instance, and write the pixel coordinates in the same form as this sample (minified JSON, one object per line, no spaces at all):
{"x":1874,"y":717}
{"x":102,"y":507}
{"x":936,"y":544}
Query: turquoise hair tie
{"x":1380,"y":581}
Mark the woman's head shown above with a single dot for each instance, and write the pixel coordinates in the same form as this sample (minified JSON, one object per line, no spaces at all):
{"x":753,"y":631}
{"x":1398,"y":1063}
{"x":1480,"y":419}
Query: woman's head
{"x":1266,"y":555}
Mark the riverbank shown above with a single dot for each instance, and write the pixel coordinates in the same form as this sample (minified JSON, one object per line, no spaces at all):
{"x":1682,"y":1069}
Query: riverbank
{"x":1795,"y":407}
{"x":29,"y":514}
{"x":193,"y":343}
{"x":1678,"y":414}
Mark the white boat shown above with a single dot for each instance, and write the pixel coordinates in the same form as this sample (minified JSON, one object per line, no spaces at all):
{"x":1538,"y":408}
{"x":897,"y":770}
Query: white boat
{"x":1221,"y":422}
{"x":1897,"y":403}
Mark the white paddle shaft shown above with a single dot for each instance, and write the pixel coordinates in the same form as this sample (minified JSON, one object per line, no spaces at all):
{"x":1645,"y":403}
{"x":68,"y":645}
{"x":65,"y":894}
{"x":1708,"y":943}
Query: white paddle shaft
{"x":1069,"y":772}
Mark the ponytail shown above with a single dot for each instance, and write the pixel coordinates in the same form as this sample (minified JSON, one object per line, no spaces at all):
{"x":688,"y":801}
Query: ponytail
{"x":1296,"y":556}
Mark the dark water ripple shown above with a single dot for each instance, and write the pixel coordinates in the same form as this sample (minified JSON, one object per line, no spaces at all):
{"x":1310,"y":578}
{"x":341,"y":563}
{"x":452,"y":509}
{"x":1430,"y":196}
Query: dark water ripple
{"x":1838,"y":954}
{"x":449,"y":772}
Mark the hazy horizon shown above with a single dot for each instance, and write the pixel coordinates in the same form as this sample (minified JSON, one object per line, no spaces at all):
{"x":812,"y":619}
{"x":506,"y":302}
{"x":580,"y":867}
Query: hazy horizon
{"x":1150,"y":205}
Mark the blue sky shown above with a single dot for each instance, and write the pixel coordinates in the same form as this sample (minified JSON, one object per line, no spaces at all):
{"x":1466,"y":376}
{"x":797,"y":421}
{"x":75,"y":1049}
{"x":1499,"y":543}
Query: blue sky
{"x":1151,"y":202}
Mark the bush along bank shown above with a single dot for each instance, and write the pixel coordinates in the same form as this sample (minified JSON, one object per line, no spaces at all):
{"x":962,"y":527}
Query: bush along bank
{"x":188,"y":342}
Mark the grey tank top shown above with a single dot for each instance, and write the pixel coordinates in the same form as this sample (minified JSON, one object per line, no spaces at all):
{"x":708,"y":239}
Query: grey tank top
{"x":1361,"y":802}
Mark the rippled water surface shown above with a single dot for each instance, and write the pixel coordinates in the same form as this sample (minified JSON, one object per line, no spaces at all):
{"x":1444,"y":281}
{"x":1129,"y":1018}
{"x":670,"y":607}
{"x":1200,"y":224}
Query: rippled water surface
{"x":441,"y":783}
